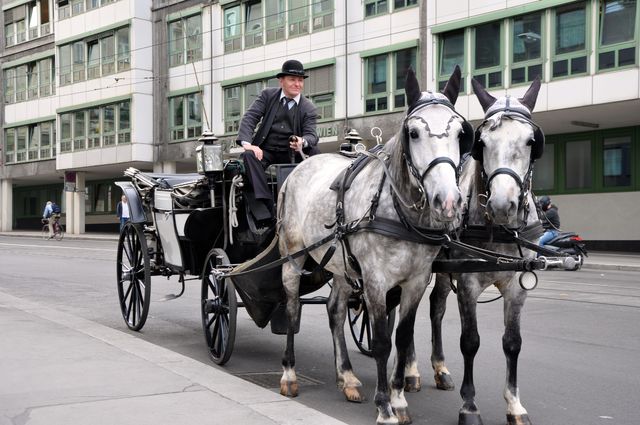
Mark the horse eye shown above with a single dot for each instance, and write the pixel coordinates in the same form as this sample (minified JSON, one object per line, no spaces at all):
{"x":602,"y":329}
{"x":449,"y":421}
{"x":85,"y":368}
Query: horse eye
{"x":413,"y":133}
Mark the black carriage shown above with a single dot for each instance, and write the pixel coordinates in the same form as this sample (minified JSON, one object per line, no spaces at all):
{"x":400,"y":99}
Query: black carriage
{"x":202,"y":227}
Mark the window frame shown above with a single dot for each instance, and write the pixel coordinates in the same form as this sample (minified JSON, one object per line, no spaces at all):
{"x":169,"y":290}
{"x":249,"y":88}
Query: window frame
{"x":322,"y":19}
{"x":555,"y":57}
{"x":618,"y":46}
{"x":375,"y":4}
{"x":301,"y":24}
{"x":482,"y":74}
{"x":442,"y":79}
{"x":232,"y":43}
{"x":187,"y":131}
{"x":527,"y":63}
{"x":33,"y":149}
{"x":391,"y":90}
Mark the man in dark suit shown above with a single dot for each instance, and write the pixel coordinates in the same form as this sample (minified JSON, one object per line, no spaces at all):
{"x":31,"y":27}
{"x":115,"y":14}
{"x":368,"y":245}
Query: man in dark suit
{"x":287,"y":129}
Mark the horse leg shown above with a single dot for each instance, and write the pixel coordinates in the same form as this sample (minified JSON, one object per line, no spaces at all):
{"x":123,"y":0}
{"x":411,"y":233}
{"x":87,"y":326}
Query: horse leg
{"x":412,"y":382}
{"x":291,"y":283}
{"x":437,"y":308}
{"x":468,"y":292}
{"x":404,"y":346}
{"x":511,"y":343}
{"x":337,"y":309}
{"x":381,"y":348}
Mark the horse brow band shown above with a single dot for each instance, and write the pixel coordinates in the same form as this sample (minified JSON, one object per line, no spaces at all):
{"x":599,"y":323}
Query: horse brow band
{"x":430,"y":133}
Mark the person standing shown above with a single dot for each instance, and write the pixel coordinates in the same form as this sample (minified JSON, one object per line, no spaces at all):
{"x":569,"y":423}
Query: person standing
{"x":550,"y":220}
{"x":287,"y":129}
{"x":122,"y":211}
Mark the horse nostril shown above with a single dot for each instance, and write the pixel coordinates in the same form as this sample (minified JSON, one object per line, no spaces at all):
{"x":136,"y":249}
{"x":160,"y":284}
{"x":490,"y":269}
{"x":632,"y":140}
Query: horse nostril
{"x":513,"y":207}
{"x":437,"y":201}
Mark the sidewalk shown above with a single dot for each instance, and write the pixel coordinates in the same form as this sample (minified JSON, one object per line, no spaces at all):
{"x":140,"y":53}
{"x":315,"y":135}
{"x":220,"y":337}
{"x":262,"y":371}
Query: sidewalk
{"x":596,"y":260}
{"x":60,"y":369}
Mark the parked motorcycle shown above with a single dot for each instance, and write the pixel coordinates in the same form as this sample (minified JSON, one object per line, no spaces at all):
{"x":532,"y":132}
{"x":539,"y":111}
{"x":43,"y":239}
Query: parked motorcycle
{"x":568,"y":243}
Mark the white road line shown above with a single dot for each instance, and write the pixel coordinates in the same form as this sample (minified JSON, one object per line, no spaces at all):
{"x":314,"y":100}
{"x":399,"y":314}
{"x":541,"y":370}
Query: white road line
{"x":56,"y":247}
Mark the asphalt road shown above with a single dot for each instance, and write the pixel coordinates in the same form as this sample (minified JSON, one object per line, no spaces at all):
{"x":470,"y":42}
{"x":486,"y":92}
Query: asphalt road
{"x":579,"y":361}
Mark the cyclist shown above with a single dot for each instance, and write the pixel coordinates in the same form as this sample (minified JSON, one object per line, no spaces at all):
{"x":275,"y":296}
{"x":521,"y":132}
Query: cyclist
{"x":51,"y":215}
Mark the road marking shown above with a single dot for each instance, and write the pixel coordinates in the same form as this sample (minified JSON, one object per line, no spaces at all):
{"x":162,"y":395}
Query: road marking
{"x":56,"y":246}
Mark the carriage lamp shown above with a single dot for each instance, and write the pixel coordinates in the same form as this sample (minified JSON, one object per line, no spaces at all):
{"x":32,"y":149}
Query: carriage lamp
{"x":352,"y":141}
{"x":209,"y":154}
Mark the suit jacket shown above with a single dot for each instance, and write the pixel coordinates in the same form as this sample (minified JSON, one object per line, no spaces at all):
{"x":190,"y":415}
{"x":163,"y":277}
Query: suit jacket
{"x":262,"y":112}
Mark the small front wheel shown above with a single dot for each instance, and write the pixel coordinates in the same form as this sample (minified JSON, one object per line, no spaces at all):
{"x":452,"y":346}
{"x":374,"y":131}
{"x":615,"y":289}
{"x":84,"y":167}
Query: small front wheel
{"x":219,"y":308}
{"x":134,"y":276}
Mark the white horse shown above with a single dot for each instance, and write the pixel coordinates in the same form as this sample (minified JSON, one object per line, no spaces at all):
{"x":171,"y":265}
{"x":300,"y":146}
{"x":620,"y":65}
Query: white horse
{"x":497,"y":185}
{"x":413,"y":178}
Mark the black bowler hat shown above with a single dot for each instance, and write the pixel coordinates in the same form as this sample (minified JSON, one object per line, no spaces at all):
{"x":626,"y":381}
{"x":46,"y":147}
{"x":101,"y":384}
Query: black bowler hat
{"x":292,"y":67}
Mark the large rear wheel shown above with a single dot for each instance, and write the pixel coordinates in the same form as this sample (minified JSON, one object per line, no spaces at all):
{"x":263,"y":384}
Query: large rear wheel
{"x":134,"y":276}
{"x":219,"y":308}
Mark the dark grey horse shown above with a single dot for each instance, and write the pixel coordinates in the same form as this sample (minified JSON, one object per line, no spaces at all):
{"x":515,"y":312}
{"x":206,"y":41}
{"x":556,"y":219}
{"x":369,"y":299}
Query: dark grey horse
{"x":497,"y":186}
{"x":420,"y":166}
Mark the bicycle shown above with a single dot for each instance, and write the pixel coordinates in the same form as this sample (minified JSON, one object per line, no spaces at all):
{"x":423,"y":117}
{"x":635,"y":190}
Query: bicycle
{"x":58,"y":229}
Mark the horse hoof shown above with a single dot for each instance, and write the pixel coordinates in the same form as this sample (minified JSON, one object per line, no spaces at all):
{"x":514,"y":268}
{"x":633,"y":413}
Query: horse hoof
{"x":444,"y":382}
{"x":518,"y":420}
{"x":289,"y":388}
{"x":469,"y":419}
{"x":353,"y":394}
{"x":403,"y":416}
{"x":412,"y":384}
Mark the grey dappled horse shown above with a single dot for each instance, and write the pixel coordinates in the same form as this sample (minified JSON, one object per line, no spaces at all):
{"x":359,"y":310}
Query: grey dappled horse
{"x":497,"y":186}
{"x":426,"y":195}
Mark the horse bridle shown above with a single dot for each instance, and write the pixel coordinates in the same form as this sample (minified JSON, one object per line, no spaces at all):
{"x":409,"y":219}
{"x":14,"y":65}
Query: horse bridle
{"x":406,"y":151}
{"x":523,"y":183}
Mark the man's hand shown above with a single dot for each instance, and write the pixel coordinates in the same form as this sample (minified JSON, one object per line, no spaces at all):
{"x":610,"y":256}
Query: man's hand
{"x":255,"y":149}
{"x":295,"y":143}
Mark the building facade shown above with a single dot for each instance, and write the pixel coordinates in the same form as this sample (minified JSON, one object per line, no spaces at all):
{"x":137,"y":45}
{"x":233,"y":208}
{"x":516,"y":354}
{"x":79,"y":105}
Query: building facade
{"x":92,"y":87}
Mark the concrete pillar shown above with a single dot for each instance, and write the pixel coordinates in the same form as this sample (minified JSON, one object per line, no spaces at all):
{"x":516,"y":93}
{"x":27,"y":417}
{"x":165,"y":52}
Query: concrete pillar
{"x":164,"y":167}
{"x":69,"y":198}
{"x":78,"y":203}
{"x":6,"y":205}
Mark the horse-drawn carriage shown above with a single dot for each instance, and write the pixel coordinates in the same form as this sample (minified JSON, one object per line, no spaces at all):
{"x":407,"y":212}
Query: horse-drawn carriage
{"x":209,"y":226}
{"x":202,"y":227}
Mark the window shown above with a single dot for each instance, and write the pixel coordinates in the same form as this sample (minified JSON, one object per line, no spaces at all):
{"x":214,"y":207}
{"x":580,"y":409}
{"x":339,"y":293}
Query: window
{"x":232,"y":29}
{"x":375,"y":7}
{"x":32,"y":80}
{"x":487,"y":51}
{"x":79,"y":131}
{"x":93,"y":140}
{"x":185,"y":40}
{"x":108,"y":55}
{"x":578,"y":173}
{"x":617,"y":33}
{"x":570,"y":41}
{"x":45,"y":140}
{"x":451,"y":53}
{"x":253,"y":25}
{"x":376,"y":91}
{"x":64,"y":64}
{"x":320,"y":88}
{"x":109,"y":125}
{"x":95,"y":57}
{"x":64,"y":9}
{"x":26,"y":22}
{"x":9,"y":146}
{"x":124,"y":61}
{"x":275,"y":19}
{"x":527,"y":48}
{"x":124,"y":123}
{"x":9,"y":36}
{"x":185,"y":117}
{"x":21,"y":83}
{"x":232,"y":109}
{"x":34,"y":142}
{"x":34,"y":15}
{"x":385,"y":75}
{"x":65,"y":133}
{"x":46,"y":77}
{"x":21,"y":143}
{"x":93,"y":4}
{"x":298,"y":17}
{"x":616,"y":161}
{"x":322,"y":14}
{"x":9,"y":85}
{"x":77,"y":7}
{"x":78,"y":61}
{"x":544,"y":175}
{"x":67,"y":8}
{"x":399,"y":4}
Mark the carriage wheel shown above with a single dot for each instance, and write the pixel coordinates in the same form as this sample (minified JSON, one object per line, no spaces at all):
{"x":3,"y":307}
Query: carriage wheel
{"x":360,"y":324}
{"x":134,"y":276}
{"x":219,"y":308}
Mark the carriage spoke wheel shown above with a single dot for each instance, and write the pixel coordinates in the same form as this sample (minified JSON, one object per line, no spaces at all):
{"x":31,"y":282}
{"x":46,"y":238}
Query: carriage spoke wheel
{"x":219,"y":309}
{"x":134,"y":276}
{"x":360,"y":325}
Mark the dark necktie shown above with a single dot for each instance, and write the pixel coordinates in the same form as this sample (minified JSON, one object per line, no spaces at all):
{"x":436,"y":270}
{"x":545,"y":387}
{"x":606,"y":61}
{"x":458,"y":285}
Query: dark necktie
{"x":288,"y":102}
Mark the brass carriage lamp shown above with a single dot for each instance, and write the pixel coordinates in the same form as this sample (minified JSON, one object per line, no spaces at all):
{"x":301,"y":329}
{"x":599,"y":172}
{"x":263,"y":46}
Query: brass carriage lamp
{"x":209,"y":154}
{"x":353,"y":141}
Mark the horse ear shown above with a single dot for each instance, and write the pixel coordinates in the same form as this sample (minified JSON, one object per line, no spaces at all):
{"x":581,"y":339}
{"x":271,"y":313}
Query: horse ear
{"x":530,"y":97}
{"x":411,"y":87}
{"x":452,"y":88}
{"x":485,"y":99}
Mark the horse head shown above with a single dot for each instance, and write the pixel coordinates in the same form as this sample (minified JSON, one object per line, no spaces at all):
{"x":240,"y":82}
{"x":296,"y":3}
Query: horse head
{"x":506,"y":144}
{"x":432,"y":140}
